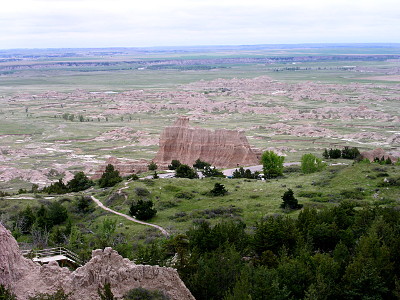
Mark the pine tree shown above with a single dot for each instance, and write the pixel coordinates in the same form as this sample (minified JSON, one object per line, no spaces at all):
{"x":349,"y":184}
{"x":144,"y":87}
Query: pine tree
{"x":110,"y":177}
{"x":289,"y":201}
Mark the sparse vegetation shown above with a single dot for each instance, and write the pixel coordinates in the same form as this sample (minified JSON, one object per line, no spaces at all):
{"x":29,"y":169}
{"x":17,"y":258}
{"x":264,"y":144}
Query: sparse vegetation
{"x":330,"y":249}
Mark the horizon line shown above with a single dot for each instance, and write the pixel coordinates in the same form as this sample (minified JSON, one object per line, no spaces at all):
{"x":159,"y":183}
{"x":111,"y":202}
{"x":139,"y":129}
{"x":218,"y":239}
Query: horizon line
{"x":337,"y":44}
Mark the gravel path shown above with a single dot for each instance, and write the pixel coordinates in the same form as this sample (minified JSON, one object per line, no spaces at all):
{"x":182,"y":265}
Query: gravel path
{"x":101,"y":205}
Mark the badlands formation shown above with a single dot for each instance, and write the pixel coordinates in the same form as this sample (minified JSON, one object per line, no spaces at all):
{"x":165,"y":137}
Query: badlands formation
{"x":27,"y":278}
{"x":221,"y":148}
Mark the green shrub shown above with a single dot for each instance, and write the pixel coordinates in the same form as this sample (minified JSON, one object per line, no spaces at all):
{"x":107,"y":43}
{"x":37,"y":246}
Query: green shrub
{"x":310,"y":164}
{"x":59,"y":295}
{"x":174,"y":164}
{"x":218,"y":190}
{"x":152,"y":166}
{"x":199,"y":164}
{"x":184,"y":195}
{"x":6,"y":294}
{"x":80,"y":182}
{"x":144,"y":294}
{"x":309,"y":194}
{"x":105,"y":292}
{"x":212,"y":172}
{"x":142,"y":210}
{"x":242,"y":173}
{"x":352,"y":194}
{"x":142,"y":192}
{"x":184,"y":171}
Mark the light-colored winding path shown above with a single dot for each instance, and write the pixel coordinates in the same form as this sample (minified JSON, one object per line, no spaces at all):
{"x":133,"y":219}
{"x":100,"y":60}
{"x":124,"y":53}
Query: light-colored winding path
{"x":101,"y":205}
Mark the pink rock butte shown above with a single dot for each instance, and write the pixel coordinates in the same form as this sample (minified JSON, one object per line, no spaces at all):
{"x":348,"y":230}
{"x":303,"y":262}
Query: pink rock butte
{"x":222,"y":148}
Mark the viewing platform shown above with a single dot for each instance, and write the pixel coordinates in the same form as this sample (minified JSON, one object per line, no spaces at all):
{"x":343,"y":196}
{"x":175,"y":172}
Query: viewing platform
{"x":63,"y":256}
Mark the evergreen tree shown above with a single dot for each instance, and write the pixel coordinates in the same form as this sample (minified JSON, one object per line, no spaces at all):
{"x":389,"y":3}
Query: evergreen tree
{"x":142,"y":210}
{"x":174,"y":164}
{"x":84,"y":204}
{"x":80,"y":182}
{"x":152,"y":166}
{"x":289,"y":201}
{"x":56,"y":188}
{"x":184,"y":171}
{"x":325,"y":154}
{"x":212,"y":172}
{"x":335,"y":153}
{"x":218,"y":190}
{"x":199,"y":164}
{"x":110,"y":177}
{"x":57,"y":213}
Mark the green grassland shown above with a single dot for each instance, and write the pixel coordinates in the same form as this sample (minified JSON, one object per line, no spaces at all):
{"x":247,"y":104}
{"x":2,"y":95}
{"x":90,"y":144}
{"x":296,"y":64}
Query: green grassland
{"x":180,"y":203}
{"x":35,"y":136}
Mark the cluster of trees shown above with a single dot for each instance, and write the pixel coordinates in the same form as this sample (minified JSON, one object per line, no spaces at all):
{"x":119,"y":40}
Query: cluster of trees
{"x":342,"y":252}
{"x":383,"y":161}
{"x":185,"y":171}
{"x":212,"y":172}
{"x":71,"y":117}
{"x":242,"y":173}
{"x":41,"y":223}
{"x":80,"y":182}
{"x":346,"y":152}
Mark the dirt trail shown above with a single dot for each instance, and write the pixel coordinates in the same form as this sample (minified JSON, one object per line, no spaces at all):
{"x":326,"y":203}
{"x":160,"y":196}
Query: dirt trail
{"x":101,"y":205}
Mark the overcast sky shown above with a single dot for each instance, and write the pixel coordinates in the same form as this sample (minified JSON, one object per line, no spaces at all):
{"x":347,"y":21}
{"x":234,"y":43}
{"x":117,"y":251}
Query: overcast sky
{"x":138,"y":23}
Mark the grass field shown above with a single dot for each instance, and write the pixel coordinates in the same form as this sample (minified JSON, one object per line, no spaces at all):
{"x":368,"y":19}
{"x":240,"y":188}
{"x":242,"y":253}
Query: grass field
{"x":290,"y":104}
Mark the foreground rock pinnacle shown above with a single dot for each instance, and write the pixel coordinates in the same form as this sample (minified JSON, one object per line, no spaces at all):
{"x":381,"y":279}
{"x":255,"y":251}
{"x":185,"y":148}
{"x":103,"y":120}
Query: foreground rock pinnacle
{"x":26,"y":278}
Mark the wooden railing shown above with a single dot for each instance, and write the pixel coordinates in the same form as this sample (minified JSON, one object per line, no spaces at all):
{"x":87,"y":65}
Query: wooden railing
{"x":52,"y":252}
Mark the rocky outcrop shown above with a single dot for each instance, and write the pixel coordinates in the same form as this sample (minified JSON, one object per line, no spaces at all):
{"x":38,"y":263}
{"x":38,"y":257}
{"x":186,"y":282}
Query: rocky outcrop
{"x":378,"y":153}
{"x":27,"y":278}
{"x":221,"y":148}
{"x":125,"y":167}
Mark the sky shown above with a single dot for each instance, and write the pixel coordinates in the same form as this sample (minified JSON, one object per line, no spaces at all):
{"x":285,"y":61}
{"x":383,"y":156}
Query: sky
{"x":146,"y":23}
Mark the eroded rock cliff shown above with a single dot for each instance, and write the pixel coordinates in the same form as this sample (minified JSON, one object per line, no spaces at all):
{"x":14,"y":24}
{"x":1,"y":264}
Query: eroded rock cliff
{"x":379,"y":153}
{"x":27,"y":278}
{"x":221,"y":148}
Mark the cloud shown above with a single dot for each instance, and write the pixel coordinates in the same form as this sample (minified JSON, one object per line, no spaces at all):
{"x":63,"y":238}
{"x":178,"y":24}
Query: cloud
{"x":96,"y":23}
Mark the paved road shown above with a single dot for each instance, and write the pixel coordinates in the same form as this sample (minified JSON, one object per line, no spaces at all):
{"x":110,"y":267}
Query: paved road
{"x":101,"y":205}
